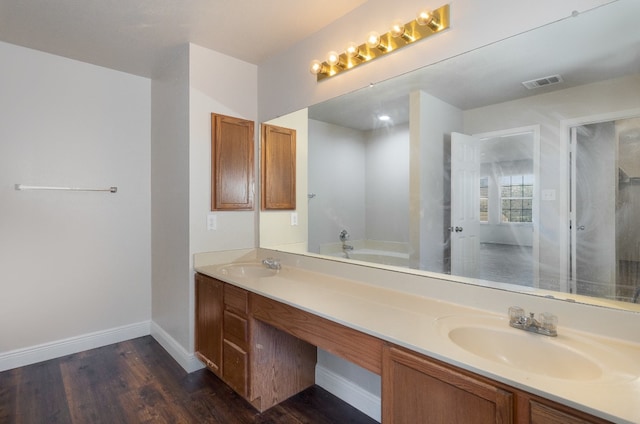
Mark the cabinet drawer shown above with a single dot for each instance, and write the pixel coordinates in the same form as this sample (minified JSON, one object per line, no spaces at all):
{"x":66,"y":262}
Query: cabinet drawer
{"x":236,"y":329}
{"x":236,"y":299}
{"x":235,"y":367}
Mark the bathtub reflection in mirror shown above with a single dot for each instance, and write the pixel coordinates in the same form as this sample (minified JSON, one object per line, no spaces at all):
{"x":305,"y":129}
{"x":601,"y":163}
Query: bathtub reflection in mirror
{"x":475,"y":175}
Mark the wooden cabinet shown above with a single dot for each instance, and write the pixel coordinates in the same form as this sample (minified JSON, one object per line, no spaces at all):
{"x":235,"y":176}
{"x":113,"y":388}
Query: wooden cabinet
{"x":232,"y":164}
{"x":209,"y":312}
{"x":261,"y":363}
{"x":278,"y":165}
{"x":266,"y":351}
{"x":416,"y":389}
{"x":542,"y":411}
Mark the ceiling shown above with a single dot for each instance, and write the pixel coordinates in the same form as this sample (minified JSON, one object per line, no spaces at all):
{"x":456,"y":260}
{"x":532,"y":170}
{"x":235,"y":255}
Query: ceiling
{"x":597,"y":45}
{"x":134,"y":35}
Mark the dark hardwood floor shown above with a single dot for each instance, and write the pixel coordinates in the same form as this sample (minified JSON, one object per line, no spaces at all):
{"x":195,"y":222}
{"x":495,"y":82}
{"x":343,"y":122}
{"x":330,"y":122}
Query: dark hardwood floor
{"x":137,"y":381}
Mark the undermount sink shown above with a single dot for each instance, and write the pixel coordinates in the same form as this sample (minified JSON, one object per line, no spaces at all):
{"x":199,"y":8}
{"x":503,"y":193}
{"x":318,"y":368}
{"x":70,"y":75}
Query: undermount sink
{"x":247,"y":270}
{"x":568,"y":356}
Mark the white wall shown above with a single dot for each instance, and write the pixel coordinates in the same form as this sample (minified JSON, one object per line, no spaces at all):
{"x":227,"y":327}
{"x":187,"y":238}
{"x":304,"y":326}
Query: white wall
{"x":387,"y":184}
{"x":73,"y":264}
{"x":170,"y":201}
{"x":337,"y":178}
{"x":196,"y":83}
{"x":432,"y":121}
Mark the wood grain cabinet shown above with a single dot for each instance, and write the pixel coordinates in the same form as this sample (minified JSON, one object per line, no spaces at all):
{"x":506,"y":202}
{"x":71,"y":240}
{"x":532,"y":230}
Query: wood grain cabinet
{"x":416,"y":389}
{"x":232,"y":164}
{"x":266,"y":351}
{"x":209,"y":310}
{"x":278,"y":164}
{"x":259,"y":362}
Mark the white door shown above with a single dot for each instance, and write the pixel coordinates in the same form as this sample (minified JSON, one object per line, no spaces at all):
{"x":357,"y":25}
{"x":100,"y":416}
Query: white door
{"x":465,"y":204}
{"x":593,"y":209}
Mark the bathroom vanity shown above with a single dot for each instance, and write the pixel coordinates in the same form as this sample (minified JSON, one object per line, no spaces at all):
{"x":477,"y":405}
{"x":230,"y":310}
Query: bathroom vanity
{"x":258,"y":330}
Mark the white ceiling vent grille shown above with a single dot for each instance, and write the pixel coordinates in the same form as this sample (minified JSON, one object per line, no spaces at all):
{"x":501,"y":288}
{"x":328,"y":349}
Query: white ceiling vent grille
{"x":542,"y":82}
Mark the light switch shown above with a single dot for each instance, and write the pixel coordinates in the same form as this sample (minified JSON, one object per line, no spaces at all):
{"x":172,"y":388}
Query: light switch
{"x":294,"y":218}
{"x":212,"y":222}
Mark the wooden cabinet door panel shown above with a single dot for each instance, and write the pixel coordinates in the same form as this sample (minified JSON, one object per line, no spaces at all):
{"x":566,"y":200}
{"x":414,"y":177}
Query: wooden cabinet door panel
{"x":232,"y":164}
{"x":236,"y":330}
{"x":236,"y":300}
{"x":278,"y":163}
{"x":545,"y":414}
{"x":209,"y":310}
{"x":418,"y":390}
{"x":235,"y":372}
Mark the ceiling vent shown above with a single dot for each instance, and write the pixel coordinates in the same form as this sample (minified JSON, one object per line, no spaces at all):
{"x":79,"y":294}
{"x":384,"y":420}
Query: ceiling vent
{"x":543,"y":82}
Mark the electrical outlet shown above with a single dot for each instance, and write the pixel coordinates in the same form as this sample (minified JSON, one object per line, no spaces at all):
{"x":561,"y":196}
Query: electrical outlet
{"x":549,"y":194}
{"x":294,"y":218}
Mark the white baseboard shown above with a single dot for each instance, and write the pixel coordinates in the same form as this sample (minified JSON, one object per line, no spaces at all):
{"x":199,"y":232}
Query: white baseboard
{"x":44,"y":352}
{"x":349,"y":392}
{"x":187,"y":360}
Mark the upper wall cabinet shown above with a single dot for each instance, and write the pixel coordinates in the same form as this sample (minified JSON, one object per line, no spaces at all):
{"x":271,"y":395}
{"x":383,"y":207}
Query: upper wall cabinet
{"x":232,"y":166}
{"x":278,"y":167}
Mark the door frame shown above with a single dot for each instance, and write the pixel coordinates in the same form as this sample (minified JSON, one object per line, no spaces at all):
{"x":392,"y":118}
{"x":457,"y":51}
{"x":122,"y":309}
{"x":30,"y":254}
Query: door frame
{"x":564,"y":206}
{"x":535,"y":129}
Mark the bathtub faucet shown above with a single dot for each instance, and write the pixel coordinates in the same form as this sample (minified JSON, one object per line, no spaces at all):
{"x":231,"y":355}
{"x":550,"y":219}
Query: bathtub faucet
{"x":344,"y":236}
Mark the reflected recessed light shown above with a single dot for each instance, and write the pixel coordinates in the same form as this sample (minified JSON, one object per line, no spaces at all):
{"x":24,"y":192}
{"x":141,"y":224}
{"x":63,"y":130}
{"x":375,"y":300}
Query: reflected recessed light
{"x":384,"y":118}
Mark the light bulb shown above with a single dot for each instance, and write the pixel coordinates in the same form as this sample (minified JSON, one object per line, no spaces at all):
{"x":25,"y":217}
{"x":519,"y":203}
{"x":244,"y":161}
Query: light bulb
{"x":397,"y":29}
{"x":333,"y":58}
{"x":316,"y":67}
{"x":352,"y":50}
{"x":426,"y":17}
{"x":373,"y":39}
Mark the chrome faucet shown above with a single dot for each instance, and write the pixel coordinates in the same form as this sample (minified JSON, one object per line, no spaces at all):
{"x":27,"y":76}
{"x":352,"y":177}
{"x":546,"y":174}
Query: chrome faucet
{"x":344,"y":236}
{"x":545,"y":324}
{"x":271,"y":263}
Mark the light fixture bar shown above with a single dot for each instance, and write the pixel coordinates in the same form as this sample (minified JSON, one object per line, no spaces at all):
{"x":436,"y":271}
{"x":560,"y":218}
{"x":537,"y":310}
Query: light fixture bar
{"x":388,"y":43}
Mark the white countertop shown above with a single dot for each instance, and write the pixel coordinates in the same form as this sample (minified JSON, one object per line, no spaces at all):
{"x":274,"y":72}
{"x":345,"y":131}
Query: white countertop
{"x":415,"y":322}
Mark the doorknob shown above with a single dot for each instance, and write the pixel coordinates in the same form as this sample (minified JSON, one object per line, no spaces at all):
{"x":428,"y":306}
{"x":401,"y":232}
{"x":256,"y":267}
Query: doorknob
{"x":581,"y":228}
{"x":458,"y":229}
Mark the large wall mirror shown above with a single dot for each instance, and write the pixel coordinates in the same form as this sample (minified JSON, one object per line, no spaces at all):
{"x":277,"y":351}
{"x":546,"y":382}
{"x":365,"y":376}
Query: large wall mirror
{"x":515,"y":165}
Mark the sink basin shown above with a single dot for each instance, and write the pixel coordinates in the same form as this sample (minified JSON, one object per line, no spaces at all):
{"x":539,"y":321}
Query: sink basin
{"x":568,"y":356}
{"x":247,"y":270}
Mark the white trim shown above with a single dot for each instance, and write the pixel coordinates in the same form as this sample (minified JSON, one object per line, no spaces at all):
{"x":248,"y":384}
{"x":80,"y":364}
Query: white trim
{"x":187,"y":360}
{"x":56,"y":349}
{"x":346,"y":390}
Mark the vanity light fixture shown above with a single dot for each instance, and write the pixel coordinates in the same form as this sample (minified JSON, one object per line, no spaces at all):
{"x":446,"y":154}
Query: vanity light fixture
{"x":424,"y":25}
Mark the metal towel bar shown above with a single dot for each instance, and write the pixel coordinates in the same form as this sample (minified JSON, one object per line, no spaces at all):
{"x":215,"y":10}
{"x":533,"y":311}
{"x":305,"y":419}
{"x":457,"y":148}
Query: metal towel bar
{"x":28,"y":187}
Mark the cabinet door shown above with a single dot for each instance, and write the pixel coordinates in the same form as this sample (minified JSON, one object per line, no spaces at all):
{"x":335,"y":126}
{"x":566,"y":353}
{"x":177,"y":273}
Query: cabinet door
{"x":232,"y":165}
{"x":209,"y":310}
{"x":546,"y":414}
{"x":416,"y":389}
{"x":235,"y":372}
{"x":278,"y":167}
